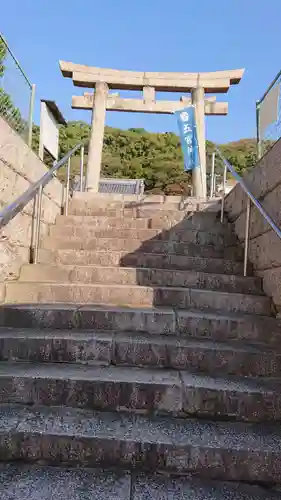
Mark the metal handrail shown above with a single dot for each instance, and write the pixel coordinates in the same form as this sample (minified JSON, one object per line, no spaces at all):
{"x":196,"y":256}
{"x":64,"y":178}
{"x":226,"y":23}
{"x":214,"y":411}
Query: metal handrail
{"x":36,"y":191}
{"x":250,"y":198}
{"x":269,"y":87}
{"x":31,"y":86}
{"x":15,"y":60}
{"x":258,"y":108}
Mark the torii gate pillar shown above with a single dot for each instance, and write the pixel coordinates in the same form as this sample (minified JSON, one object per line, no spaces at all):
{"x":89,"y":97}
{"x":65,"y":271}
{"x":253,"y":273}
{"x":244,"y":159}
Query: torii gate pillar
{"x":96,"y":137}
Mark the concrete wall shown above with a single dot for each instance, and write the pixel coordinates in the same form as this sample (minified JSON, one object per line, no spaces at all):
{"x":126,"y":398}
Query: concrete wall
{"x":19,"y":168}
{"x":264,"y":181}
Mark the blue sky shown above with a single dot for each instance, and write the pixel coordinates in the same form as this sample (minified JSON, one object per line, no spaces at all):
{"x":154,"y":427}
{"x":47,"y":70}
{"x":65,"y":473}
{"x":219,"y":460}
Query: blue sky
{"x":149,"y":35}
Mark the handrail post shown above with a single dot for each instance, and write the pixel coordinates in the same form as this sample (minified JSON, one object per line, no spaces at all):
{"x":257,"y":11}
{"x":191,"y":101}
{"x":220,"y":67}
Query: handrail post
{"x":223,"y":192}
{"x":259,"y":149}
{"x":30,"y":115}
{"x":62,"y":208}
{"x":81,"y":168}
{"x":212,"y":175}
{"x":67,"y":186}
{"x":247,"y":230}
{"x":38,"y":217}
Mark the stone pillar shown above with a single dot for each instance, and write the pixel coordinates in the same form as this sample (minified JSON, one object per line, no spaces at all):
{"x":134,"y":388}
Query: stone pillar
{"x":199,"y":174}
{"x":96,"y":138}
{"x":149,"y":94}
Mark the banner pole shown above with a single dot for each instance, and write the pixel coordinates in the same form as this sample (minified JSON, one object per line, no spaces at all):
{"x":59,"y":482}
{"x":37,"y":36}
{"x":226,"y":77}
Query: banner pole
{"x":199,"y":178}
{"x":187,"y":124}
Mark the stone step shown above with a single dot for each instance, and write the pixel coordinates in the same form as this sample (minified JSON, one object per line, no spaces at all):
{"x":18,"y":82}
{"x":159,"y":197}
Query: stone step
{"x":93,"y":348}
{"x":212,"y":325}
{"x":140,"y":296}
{"x":138,"y":246}
{"x":110,"y":203}
{"x":147,"y":260}
{"x":140,"y":276}
{"x":138,"y":209}
{"x":26,"y":482}
{"x":213,"y":235}
{"x":143,"y":235}
{"x":130,"y":212}
{"x":226,"y":451}
{"x":69,"y":316}
{"x":140,"y":390}
{"x":201,"y":221}
{"x":144,"y":200}
{"x":102,"y":221}
{"x":136,"y":212}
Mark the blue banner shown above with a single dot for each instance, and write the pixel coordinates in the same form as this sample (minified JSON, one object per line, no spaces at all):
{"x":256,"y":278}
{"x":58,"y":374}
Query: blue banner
{"x":188,"y":136}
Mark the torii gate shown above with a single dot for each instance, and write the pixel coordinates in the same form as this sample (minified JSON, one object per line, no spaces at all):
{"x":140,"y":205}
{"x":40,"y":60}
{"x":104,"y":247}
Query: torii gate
{"x":198,"y":84}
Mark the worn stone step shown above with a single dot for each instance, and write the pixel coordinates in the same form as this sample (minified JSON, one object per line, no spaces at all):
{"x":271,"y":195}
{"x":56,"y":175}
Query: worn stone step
{"x":86,"y":233}
{"x":102,"y":221}
{"x":189,"y":488}
{"x":138,"y":212}
{"x":139,"y":350}
{"x":214,"y":325}
{"x":56,"y":435}
{"x":69,"y":316}
{"x":140,"y":276}
{"x":144,"y":391}
{"x":140,"y":209}
{"x":87,"y":200}
{"x":27,"y":482}
{"x":132,"y":295}
{"x":145,"y":199}
{"x":60,"y":346}
{"x":111,"y":202}
{"x":148,"y":260}
{"x":121,"y":211}
{"x":165,"y":487}
{"x":196,"y":355}
{"x":173,"y":234}
{"x":200,"y":221}
{"x":150,"y":246}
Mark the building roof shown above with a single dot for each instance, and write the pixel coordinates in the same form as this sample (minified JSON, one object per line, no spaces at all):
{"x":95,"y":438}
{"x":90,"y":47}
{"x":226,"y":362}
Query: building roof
{"x":55,"y":111}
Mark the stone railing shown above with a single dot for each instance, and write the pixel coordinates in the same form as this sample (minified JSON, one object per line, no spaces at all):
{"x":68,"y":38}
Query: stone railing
{"x":264,"y":181}
{"x":19,"y":168}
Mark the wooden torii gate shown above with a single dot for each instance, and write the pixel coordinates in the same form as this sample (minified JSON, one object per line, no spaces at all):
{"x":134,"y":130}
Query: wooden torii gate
{"x":198,"y":84}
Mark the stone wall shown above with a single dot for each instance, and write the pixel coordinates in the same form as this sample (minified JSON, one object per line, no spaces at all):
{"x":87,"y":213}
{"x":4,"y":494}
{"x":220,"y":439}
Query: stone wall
{"x":264,"y":181}
{"x":19,"y":168}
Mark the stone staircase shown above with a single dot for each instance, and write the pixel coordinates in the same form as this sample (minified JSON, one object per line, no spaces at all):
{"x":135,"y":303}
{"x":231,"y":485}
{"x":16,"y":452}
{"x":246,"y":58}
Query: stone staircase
{"x":138,"y":363}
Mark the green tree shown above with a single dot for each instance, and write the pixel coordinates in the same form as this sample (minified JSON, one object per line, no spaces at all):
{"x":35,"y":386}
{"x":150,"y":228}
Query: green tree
{"x":3,"y":53}
{"x":155,"y":157}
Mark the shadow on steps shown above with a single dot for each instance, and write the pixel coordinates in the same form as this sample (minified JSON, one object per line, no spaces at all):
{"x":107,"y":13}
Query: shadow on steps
{"x":196,"y":242}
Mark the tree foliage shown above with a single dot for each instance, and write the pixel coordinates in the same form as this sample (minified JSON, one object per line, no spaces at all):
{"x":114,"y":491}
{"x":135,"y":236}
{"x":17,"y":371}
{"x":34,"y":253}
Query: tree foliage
{"x":3,"y":53}
{"x":155,"y":157}
{"x":241,"y":154}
